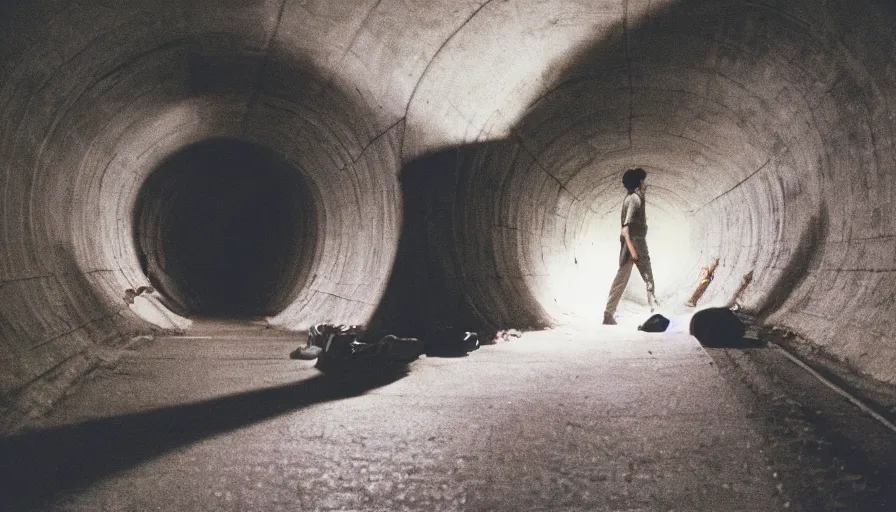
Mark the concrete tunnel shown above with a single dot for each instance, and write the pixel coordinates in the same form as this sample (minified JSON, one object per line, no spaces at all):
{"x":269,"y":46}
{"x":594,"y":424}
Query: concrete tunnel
{"x":444,"y":161}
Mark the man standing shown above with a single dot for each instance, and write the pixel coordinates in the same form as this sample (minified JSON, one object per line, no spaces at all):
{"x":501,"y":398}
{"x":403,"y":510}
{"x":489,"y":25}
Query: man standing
{"x":633,"y":250}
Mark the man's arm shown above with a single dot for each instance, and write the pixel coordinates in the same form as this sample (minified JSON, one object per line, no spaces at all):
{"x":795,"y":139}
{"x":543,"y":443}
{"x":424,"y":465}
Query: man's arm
{"x":633,"y":204}
{"x":628,"y":242}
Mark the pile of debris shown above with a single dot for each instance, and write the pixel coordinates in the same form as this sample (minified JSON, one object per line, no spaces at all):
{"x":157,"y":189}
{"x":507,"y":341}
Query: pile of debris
{"x":347,"y":347}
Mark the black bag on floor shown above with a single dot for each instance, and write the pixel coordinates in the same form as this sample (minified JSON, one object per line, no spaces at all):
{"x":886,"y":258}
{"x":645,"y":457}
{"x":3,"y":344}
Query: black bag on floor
{"x":656,"y":323}
{"x":717,"y":327}
{"x":451,"y":341}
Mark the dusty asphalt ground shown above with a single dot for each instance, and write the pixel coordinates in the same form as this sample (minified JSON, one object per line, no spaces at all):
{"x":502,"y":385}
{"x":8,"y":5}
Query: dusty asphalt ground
{"x":596,"y":418}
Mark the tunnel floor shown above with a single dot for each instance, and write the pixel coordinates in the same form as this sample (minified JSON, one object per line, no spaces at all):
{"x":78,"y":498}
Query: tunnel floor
{"x":573,"y":418}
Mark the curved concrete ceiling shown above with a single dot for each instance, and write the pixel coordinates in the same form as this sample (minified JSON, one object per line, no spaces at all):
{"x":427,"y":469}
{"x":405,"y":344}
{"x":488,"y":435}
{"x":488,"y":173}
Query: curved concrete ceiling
{"x":766,"y":128}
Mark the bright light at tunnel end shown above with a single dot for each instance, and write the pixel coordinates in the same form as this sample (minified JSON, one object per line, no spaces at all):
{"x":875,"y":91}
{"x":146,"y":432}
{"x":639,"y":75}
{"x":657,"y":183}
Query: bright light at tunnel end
{"x":580,"y":282}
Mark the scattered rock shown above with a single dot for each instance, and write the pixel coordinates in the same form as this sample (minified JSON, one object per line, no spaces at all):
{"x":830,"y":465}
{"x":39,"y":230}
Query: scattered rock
{"x":130,"y":293}
{"x":507,"y":335}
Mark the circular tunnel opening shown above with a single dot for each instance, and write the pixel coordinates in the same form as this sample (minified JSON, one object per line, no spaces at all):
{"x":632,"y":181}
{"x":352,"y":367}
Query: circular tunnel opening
{"x":580,"y":280}
{"x":226,"y":228}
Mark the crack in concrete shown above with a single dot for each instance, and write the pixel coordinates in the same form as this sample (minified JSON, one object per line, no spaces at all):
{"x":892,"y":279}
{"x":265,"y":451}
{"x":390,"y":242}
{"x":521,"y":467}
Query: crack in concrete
{"x":868,"y":270}
{"x":315,"y":290}
{"x":741,"y":182}
{"x":863,"y":238}
{"x":561,"y":184}
{"x":354,"y":38}
{"x":348,"y":48}
{"x":28,"y":278}
{"x":75,"y":329}
{"x":85,"y":353}
{"x":371,"y":143}
{"x":802,"y":23}
{"x":48,"y":276}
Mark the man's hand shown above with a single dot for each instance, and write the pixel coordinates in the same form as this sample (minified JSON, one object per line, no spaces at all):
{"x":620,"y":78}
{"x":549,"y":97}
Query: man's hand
{"x":634,"y":255}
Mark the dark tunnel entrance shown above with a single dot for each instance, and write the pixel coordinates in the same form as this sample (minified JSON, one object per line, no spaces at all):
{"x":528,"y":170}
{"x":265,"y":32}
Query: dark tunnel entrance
{"x":225,"y":228}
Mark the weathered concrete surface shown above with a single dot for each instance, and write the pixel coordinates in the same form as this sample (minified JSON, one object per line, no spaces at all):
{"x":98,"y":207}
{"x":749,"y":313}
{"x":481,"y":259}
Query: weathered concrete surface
{"x":767,"y":128}
{"x":823,"y":450}
{"x":573,"y":420}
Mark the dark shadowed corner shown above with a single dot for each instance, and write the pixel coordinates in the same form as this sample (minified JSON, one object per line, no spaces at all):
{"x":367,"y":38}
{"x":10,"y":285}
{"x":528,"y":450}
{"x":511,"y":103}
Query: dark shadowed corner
{"x":806,"y":257}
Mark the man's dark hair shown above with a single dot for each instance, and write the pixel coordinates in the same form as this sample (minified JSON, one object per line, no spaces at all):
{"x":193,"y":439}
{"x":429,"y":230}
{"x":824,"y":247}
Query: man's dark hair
{"x":632,"y":178}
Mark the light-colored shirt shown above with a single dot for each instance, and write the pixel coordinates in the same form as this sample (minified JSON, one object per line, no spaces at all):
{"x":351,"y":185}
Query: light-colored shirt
{"x":633,"y":215}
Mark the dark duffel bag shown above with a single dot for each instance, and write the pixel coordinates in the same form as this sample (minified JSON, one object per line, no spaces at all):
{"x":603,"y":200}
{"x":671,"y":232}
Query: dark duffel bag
{"x":717,"y":327}
{"x":451,"y":341}
{"x":656,"y":323}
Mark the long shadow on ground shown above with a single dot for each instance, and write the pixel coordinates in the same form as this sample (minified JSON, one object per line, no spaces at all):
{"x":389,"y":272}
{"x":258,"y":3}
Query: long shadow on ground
{"x":36,"y":466}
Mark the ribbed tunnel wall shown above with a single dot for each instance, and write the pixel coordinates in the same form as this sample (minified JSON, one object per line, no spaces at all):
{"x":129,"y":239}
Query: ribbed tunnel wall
{"x":476,"y":147}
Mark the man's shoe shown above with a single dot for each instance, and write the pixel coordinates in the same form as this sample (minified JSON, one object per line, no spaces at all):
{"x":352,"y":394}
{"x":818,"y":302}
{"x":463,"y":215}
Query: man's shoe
{"x":609,"y":320}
